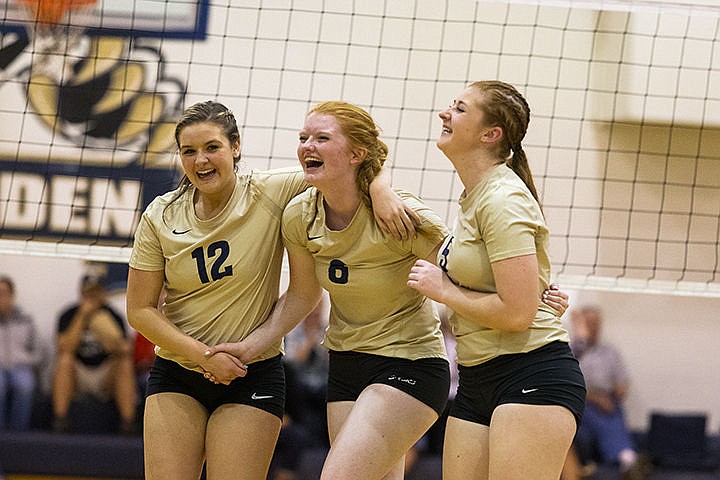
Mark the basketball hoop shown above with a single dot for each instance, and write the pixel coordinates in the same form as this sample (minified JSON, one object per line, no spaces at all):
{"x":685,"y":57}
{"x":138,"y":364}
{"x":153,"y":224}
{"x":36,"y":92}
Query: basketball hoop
{"x":53,"y":12}
{"x":56,"y":29}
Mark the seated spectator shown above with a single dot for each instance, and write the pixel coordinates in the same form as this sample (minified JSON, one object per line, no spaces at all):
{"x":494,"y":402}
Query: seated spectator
{"x":574,"y":468}
{"x":306,"y":368}
{"x":436,"y":434}
{"x":603,"y":428}
{"x":94,"y":356}
{"x":143,"y":358}
{"x":19,"y":355}
{"x":432,"y":442}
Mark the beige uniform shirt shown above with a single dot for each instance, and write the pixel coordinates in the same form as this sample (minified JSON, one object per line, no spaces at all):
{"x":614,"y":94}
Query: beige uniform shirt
{"x":365,"y":272}
{"x":498,"y":219}
{"x":222,"y":275}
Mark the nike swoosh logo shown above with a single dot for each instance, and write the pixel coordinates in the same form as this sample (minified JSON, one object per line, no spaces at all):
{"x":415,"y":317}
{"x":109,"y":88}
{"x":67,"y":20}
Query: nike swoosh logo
{"x":181,"y":233}
{"x":255,"y":396}
{"x":314,"y":238}
{"x":530,"y":390}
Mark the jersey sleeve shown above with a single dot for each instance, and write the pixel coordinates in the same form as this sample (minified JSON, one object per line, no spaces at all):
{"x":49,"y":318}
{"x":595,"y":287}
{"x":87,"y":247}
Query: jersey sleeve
{"x":293,"y":230}
{"x":431,"y":231}
{"x":279,"y":186}
{"x":147,"y":251}
{"x":508,"y":225}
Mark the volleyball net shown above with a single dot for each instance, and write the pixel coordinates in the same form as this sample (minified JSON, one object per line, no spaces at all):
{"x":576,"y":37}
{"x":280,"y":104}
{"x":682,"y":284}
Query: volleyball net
{"x":624,"y":140}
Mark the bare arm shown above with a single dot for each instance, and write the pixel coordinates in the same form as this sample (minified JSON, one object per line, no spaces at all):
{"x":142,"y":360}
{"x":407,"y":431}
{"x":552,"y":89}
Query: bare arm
{"x":303,"y":295}
{"x":144,"y":315}
{"x":69,"y":339}
{"x":391,"y":213}
{"x":552,"y":296}
{"x":512,"y":308}
{"x":432,"y":256}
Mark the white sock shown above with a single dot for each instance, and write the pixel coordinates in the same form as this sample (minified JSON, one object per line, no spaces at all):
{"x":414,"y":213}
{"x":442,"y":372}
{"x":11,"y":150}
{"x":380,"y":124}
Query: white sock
{"x":627,"y":458}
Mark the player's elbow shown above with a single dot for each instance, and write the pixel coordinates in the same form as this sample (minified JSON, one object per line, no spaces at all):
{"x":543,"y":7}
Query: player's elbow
{"x":519,"y":321}
{"x":135,"y":316}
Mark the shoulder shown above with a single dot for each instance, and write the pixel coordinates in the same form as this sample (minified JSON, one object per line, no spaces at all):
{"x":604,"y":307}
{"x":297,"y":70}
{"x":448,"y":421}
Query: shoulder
{"x":513,"y":186}
{"x":275,"y":176}
{"x":505,"y":194}
{"x":159,"y":204}
{"x":276,"y":187}
{"x":428,"y":217}
{"x":301,"y":207}
{"x":410,"y":199}
{"x":417,"y":205}
{"x":303,"y":200}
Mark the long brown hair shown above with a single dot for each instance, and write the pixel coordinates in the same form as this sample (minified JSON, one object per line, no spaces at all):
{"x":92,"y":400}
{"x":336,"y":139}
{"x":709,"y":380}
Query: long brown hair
{"x":360,"y":129}
{"x":505,"y":107}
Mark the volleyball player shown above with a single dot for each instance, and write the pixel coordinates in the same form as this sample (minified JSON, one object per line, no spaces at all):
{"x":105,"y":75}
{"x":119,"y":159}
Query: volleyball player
{"x":389,"y":376}
{"x":214,"y":245}
{"x":521,"y":392}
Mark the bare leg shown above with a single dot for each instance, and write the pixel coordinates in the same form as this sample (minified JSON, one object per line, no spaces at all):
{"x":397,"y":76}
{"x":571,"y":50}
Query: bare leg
{"x":174,"y":437}
{"x":529,"y":441}
{"x":63,"y":383}
{"x":240,"y":442}
{"x":466,"y":450}
{"x":571,"y":468}
{"x":370,"y":440}
{"x":337,"y":414}
{"x":125,"y":388}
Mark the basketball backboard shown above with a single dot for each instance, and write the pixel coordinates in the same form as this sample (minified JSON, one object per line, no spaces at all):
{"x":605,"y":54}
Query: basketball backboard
{"x":163,"y":18}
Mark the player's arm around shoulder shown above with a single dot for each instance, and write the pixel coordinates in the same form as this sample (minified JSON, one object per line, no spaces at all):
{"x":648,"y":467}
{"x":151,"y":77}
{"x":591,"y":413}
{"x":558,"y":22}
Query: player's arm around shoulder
{"x":431,"y":229}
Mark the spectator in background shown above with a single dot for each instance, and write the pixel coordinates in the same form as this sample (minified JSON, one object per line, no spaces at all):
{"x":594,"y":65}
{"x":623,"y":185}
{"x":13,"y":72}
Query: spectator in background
{"x":306,"y":370}
{"x":603,"y":428}
{"x":304,"y":424}
{"x":436,"y":434}
{"x":19,"y":354}
{"x":94,"y":356}
{"x":143,"y":357}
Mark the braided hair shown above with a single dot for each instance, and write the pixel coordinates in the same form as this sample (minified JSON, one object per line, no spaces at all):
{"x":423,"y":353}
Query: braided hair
{"x":360,"y":129}
{"x":505,"y":107}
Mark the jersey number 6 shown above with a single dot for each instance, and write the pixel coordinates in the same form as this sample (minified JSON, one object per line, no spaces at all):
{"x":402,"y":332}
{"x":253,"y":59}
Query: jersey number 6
{"x":338,"y":272}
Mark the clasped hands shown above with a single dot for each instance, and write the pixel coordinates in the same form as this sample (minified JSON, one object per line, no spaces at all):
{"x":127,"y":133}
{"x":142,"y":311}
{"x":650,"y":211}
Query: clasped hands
{"x":223,"y":363}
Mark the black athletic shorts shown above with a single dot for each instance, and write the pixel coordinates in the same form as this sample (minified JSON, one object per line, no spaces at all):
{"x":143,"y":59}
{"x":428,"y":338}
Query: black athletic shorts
{"x":549,"y":375}
{"x":263,"y":386}
{"x":426,"y":379}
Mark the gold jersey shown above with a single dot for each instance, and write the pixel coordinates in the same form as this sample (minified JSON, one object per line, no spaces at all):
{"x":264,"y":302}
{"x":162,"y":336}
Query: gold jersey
{"x":222,"y":275}
{"x":498,"y":219}
{"x":365,"y":272}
